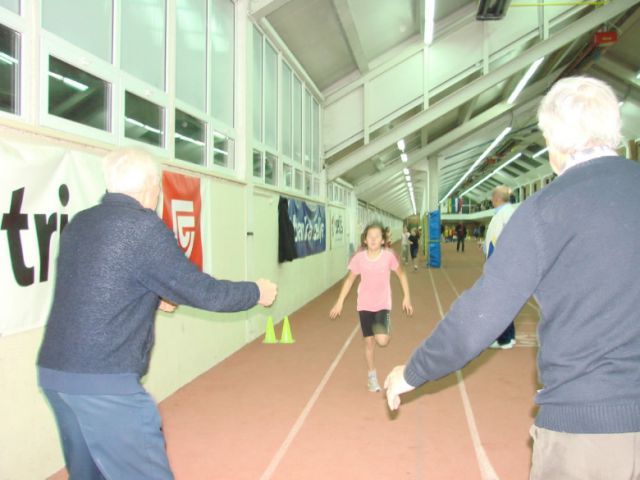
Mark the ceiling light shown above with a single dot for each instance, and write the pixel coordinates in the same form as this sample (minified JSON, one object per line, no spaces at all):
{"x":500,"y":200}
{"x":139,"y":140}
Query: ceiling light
{"x":401,"y":144}
{"x":405,"y":171}
{"x":540,"y":152}
{"x":512,"y":159}
{"x":429,"y":20}
{"x":403,"y":157}
{"x":523,"y":81}
{"x":480,"y":158}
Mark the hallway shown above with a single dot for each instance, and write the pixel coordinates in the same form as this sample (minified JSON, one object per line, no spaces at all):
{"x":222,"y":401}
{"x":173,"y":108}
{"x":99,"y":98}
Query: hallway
{"x":302,"y":411}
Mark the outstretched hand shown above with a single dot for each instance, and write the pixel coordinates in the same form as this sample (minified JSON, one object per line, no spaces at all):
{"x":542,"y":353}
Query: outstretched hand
{"x":407,"y":307}
{"x":167,"y":306}
{"x":395,"y":384}
{"x":268,"y":292}
{"x":335,"y":312}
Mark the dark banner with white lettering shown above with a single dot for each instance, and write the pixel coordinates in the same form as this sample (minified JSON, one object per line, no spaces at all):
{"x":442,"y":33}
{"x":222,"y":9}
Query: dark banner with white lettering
{"x":310,"y":226}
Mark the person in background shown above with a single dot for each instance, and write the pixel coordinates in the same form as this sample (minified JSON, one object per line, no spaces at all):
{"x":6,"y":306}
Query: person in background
{"x":503,"y":210}
{"x":405,"y":245}
{"x":374,"y":263}
{"x":119,"y":263}
{"x":414,"y":242}
{"x":575,"y":246}
{"x":461,"y":233}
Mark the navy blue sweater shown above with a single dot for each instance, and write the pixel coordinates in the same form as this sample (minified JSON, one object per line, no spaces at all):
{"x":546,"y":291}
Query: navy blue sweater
{"x":116,"y":260}
{"x":575,"y":246}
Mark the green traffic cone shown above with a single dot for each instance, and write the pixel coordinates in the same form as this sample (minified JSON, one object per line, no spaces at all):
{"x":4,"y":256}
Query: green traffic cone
{"x":286,"y":336}
{"x":269,"y":332}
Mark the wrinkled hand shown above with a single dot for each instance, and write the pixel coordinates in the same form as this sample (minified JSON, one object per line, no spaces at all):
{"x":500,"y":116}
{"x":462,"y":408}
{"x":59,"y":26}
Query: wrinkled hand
{"x":167,"y":306}
{"x":268,"y":292}
{"x":395,"y":384}
{"x":336,"y":311}
{"x":407,"y":307}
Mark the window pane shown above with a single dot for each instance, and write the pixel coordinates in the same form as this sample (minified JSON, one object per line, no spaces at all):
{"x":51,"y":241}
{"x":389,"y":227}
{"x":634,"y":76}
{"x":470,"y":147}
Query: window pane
{"x":286,"y":110}
{"x":78,"y":96}
{"x":191,"y":60}
{"x":271,"y":169}
{"x":315,"y":152}
{"x":271,"y":97}
{"x":143,"y":120}
{"x":223,"y":151}
{"x":143,"y":40}
{"x":9,"y":70}
{"x":257,"y":85}
{"x":82,"y":23}
{"x":257,"y":164}
{"x":13,"y":5}
{"x":307,"y":130}
{"x":222,"y":52}
{"x":287,"y":173}
{"x":296,"y":118}
{"x":298,"y":179}
{"x":316,"y":187}
{"x":189,"y":142}
{"x":307,"y":183}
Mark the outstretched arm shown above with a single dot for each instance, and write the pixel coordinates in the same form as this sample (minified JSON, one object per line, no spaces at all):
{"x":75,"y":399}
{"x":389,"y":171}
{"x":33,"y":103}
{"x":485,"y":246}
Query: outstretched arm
{"x":406,"y":300}
{"x":344,"y":291}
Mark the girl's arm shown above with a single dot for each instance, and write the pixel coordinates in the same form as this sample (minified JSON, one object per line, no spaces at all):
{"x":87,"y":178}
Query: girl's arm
{"x":344,"y":291}
{"x":406,"y":301}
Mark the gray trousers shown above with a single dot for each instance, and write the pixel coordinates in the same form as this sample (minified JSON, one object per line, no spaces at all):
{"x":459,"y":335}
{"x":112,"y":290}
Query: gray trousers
{"x":579,"y":456}
{"x":110,"y":437}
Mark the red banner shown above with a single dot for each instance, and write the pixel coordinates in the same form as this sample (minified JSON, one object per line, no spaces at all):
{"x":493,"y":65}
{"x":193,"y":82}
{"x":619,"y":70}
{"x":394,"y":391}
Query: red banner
{"x":181,"y":212}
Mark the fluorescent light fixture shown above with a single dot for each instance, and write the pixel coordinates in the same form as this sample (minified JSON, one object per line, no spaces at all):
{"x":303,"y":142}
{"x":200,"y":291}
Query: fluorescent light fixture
{"x":407,"y":178}
{"x":503,"y":134}
{"x":135,"y":122}
{"x":512,"y":159}
{"x":620,"y":103}
{"x":429,"y":19}
{"x":523,"y":81}
{"x":540,"y":152}
{"x":638,"y":75}
{"x":8,"y":59}
{"x":401,"y":144}
{"x":189,"y":139}
{"x":403,"y":157}
{"x":406,"y":171}
{"x":69,"y":81}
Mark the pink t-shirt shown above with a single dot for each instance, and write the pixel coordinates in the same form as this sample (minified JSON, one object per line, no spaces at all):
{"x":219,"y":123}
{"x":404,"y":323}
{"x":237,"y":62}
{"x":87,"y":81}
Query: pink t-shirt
{"x":374,"y":290}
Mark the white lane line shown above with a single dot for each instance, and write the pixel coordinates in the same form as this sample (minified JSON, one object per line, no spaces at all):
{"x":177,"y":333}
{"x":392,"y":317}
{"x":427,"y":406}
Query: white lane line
{"x":277,"y":458}
{"x":487,"y":471}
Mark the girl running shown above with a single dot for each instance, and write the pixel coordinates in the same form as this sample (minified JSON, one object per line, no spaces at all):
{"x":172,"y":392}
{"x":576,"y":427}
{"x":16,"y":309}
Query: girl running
{"x":373,"y":263}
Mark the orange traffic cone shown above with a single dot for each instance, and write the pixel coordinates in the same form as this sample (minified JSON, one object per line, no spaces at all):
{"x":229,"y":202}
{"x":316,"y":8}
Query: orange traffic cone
{"x":286,"y":336}
{"x":269,"y":332}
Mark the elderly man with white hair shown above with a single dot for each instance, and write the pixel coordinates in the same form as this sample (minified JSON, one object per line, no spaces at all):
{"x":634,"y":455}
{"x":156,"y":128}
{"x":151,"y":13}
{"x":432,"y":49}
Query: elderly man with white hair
{"x":117,"y":261}
{"x":575,"y":246}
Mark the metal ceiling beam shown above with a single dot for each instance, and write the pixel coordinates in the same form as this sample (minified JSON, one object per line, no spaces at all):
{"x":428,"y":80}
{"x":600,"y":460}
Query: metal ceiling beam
{"x":353,"y":38}
{"x":262,"y":8}
{"x":475,"y":88}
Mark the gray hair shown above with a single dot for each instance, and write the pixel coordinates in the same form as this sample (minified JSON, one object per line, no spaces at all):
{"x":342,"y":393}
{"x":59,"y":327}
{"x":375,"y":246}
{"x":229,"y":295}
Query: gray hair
{"x":129,"y":170}
{"x":502,"y":192}
{"x":580,"y":113}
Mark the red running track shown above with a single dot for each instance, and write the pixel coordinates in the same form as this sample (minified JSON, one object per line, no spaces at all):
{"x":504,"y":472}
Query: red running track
{"x":302,"y":411}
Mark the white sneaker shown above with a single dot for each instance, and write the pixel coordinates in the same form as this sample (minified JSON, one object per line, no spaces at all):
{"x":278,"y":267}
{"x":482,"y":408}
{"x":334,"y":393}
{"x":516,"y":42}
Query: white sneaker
{"x":503,"y":346}
{"x":374,"y":386}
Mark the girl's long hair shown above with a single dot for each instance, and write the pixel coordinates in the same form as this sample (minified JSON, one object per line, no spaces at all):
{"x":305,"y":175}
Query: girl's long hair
{"x":377,"y":225}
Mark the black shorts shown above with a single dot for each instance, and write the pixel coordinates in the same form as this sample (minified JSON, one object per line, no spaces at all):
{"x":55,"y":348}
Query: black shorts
{"x":374,"y":323}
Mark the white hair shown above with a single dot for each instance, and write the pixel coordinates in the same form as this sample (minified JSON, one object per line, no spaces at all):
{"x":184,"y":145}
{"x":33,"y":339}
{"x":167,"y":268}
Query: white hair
{"x":580,"y":113}
{"x":129,"y":170}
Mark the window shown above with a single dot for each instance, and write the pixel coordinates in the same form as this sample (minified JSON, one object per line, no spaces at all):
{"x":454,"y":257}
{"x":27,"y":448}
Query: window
{"x":257,"y":85}
{"x":286,"y":110}
{"x":189,"y":142}
{"x":307,"y":184}
{"x":308,"y":140}
{"x":12,"y":5}
{"x":223,"y":151}
{"x":191,"y":60}
{"x":287,"y":174}
{"x":298,"y":179}
{"x":271,"y":169}
{"x":78,"y":96}
{"x":316,"y":187}
{"x":296,"y":118}
{"x":9,"y":70}
{"x":87,"y":25}
{"x":315,"y":140}
{"x":143,"y":120}
{"x":270,"y":97}
{"x":143,"y":38}
{"x":257,"y":164}
{"x":222,"y":55}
